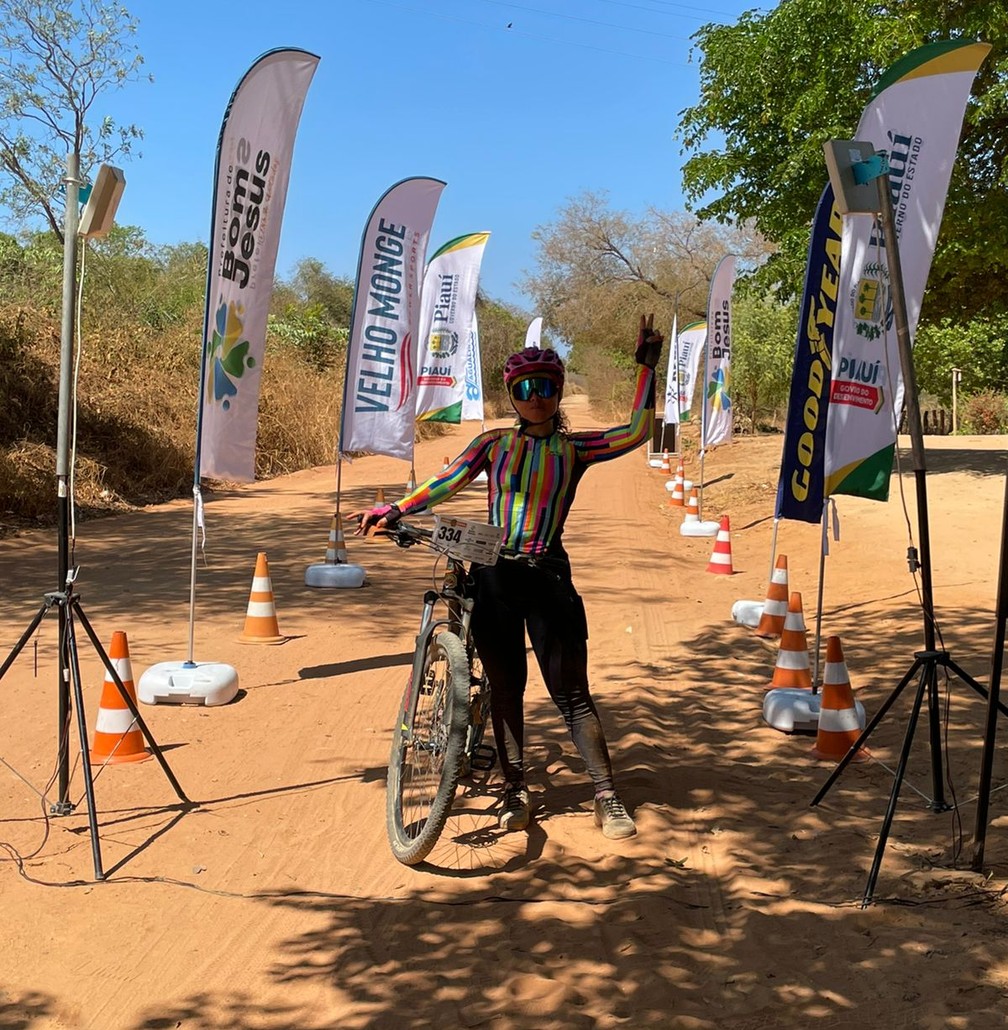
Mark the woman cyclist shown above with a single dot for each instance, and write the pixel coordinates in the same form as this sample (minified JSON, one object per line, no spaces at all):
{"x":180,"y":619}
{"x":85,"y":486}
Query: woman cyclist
{"x":533,"y":471}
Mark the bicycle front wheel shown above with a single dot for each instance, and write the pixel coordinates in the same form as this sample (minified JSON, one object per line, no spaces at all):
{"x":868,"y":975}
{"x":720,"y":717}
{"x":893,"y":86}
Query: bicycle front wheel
{"x":427,"y":749}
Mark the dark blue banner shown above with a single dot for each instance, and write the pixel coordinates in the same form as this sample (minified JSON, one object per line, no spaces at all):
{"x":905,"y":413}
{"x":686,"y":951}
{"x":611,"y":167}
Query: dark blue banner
{"x":800,"y":489}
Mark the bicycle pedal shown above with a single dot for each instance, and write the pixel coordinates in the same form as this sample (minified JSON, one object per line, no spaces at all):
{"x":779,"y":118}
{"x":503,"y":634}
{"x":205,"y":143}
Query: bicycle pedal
{"x":483,"y":757}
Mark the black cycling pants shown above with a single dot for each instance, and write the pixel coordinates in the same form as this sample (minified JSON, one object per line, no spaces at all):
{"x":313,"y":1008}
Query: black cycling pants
{"x":512,"y":597}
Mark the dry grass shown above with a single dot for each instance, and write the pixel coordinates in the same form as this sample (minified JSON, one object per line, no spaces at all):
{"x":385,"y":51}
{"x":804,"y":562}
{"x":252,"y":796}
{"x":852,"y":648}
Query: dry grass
{"x":136,"y":415}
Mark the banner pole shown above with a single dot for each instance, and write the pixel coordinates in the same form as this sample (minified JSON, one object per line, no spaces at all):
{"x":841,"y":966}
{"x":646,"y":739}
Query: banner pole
{"x":773,"y":547}
{"x":819,"y":594}
{"x":701,"y":491}
{"x":678,"y":380}
{"x":190,"y":650}
{"x":673,"y":363}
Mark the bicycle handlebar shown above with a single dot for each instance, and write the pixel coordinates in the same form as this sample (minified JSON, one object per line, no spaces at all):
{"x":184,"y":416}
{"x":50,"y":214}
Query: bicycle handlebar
{"x":406,"y":534}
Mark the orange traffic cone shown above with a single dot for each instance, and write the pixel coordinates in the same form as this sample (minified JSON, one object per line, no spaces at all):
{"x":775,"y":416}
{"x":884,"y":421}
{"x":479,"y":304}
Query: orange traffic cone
{"x":692,"y":508}
{"x":792,"y":668}
{"x":678,"y":479}
{"x":379,"y":501}
{"x":341,"y":552}
{"x":330,"y":551}
{"x":117,"y":737}
{"x":676,"y":498}
{"x":839,"y":719}
{"x":260,"y":618}
{"x":665,"y":464}
{"x":720,"y":559}
{"x":775,"y":607}
{"x":336,"y":551}
{"x":447,"y":462}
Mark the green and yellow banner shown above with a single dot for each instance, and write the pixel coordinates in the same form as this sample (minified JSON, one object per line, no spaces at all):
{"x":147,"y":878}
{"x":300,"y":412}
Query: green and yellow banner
{"x":915,"y":119}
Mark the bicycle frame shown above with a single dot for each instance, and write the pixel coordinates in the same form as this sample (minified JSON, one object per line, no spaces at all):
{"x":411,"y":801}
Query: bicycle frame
{"x":445,"y":711}
{"x":459,"y":616}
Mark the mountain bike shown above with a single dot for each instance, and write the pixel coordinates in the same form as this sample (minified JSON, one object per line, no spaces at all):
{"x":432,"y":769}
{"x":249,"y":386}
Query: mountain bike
{"x":445,"y":709}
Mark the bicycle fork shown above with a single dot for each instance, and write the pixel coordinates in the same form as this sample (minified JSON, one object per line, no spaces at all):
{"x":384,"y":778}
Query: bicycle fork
{"x":420,"y":651}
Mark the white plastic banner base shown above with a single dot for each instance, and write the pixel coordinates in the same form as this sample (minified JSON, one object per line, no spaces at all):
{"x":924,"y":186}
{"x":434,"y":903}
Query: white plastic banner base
{"x":188,"y":683}
{"x":795,"y":710}
{"x":747,"y":613}
{"x":334,"y":574}
{"x":704,"y":528}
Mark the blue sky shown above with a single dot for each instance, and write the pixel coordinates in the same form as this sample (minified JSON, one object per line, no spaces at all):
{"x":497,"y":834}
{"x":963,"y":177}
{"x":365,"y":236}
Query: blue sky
{"x":575,"y":95}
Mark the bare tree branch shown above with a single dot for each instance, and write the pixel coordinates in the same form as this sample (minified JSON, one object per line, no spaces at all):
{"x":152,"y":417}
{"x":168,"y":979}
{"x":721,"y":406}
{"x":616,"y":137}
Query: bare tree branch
{"x":60,"y":57}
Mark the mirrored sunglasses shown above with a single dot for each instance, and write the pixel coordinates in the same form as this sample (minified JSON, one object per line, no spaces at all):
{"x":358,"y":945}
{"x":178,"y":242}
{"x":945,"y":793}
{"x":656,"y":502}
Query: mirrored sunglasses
{"x":542,"y":385}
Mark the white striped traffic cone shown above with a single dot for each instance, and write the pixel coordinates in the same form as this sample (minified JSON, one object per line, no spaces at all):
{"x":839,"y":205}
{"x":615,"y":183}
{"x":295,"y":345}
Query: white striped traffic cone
{"x":679,"y":477}
{"x":692,"y":508}
{"x":260,"y":617}
{"x":379,"y":500}
{"x":676,"y":498}
{"x":720,"y":559}
{"x":840,"y":719}
{"x":775,"y":607}
{"x":117,"y":737}
{"x":330,"y":551}
{"x":792,"y":669}
{"x":339,"y":543}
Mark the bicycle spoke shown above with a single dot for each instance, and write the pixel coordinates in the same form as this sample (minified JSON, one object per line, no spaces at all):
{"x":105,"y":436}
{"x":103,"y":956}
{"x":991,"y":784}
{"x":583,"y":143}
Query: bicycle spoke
{"x":427,"y":750}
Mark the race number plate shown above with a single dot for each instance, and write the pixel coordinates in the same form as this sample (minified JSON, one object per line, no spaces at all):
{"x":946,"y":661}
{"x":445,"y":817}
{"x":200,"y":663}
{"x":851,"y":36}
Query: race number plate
{"x":467,"y":541}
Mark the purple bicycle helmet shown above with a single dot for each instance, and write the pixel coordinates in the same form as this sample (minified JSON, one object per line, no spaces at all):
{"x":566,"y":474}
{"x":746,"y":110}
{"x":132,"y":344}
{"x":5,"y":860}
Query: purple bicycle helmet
{"x":532,"y":362}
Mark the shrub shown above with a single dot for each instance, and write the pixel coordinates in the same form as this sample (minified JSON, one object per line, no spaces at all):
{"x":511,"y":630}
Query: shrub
{"x":977,"y":347}
{"x":985,"y":414}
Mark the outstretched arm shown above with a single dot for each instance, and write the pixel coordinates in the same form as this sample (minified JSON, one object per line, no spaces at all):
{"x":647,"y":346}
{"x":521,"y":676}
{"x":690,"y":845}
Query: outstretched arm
{"x":438,"y":488}
{"x":465,"y":468}
{"x":603,"y":444}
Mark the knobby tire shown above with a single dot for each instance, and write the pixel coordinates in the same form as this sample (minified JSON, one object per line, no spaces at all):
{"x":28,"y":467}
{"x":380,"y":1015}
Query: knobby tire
{"x":428,"y":744}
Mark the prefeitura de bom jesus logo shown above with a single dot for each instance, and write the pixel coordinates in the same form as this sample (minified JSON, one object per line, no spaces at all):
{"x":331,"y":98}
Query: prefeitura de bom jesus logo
{"x":228,"y":354}
{"x":247,"y":190}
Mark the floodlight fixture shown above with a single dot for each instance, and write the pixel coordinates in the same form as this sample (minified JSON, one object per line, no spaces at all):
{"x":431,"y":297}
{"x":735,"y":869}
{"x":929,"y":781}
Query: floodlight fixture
{"x":99,"y":212}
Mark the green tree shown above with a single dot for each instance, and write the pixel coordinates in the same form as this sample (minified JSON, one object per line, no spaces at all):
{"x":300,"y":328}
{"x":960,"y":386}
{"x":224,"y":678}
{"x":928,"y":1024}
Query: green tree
{"x":501,"y":332}
{"x":977,"y":347}
{"x":776,"y":85}
{"x":31,"y":272}
{"x":313,"y":285}
{"x":158,"y":286}
{"x":763,"y":336}
{"x":308,"y":329}
{"x":311,"y":313}
{"x":59,"y":57}
{"x":598,"y":269}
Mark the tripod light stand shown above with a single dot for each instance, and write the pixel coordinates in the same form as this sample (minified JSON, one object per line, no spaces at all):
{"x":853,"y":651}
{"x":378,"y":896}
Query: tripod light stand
{"x":67,"y":603}
{"x":860,"y":181}
{"x":96,"y":221}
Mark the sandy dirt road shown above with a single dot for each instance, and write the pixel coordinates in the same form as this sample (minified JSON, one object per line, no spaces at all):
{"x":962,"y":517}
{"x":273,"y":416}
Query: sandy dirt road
{"x":273,"y":901}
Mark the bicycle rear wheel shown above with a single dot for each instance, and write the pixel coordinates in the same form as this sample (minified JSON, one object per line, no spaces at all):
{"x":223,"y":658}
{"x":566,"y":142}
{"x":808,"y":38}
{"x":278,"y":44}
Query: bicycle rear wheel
{"x":427,"y":749}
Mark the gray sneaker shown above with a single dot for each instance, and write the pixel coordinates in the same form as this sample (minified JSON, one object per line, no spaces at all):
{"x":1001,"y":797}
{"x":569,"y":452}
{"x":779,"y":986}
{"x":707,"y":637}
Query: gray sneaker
{"x":612,"y":816}
{"x":514,"y":810}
